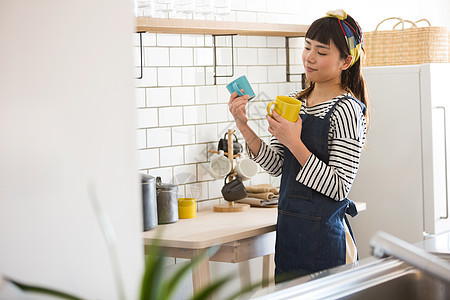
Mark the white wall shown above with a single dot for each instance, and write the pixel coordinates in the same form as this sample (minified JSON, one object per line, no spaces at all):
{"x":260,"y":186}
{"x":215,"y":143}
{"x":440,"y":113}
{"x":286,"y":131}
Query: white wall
{"x":67,"y":120}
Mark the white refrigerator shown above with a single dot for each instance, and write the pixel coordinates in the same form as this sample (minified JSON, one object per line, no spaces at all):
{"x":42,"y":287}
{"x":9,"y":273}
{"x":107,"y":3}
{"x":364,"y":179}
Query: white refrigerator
{"x":404,"y":169}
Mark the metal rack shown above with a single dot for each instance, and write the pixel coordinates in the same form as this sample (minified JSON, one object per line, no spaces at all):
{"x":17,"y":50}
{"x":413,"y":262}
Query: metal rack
{"x":220,"y":28}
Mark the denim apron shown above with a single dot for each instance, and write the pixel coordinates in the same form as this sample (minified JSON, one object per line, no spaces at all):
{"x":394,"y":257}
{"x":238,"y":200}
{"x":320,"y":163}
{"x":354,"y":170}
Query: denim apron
{"x":310,"y":234}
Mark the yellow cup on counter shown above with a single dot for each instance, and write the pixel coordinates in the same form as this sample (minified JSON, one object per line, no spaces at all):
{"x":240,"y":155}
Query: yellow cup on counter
{"x":187,"y":208}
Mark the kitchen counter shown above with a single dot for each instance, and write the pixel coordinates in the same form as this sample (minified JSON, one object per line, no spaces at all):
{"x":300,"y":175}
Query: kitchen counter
{"x":211,"y":228}
{"x":240,"y":235}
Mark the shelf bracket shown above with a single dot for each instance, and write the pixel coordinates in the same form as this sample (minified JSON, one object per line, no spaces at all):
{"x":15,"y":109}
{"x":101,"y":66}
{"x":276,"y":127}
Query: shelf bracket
{"x":288,"y":63}
{"x":141,"y":54}
{"x":215,"y":57}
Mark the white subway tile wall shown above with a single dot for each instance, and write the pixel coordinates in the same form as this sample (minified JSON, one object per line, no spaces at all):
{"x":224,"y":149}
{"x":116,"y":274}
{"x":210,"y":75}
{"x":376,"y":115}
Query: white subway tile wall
{"x":194,"y":114}
{"x":182,"y":114}
{"x":157,"y":97}
{"x":181,"y":57}
{"x":149,"y":158}
{"x":196,"y":153}
{"x":206,"y":94}
{"x":140,"y":97}
{"x":156,"y":56}
{"x":148,"y":117}
{"x":247,"y":56}
{"x":141,"y":139}
{"x":193,"y":76}
{"x":159,"y":137}
{"x":183,"y":96}
{"x":171,"y":156}
{"x":183,"y":135}
{"x":169,"y":76}
{"x":149,"y":77}
{"x":192,"y":40}
{"x":170,"y":116}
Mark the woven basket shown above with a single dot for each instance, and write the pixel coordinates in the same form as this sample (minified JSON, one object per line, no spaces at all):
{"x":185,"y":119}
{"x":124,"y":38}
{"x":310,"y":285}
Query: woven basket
{"x":406,"y":46}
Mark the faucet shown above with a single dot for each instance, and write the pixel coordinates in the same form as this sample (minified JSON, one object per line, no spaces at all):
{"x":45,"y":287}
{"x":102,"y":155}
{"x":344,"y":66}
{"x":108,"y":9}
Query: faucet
{"x":384,"y":244}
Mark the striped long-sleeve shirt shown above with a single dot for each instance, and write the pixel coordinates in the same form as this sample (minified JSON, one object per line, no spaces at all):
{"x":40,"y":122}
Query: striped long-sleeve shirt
{"x":345,"y":142}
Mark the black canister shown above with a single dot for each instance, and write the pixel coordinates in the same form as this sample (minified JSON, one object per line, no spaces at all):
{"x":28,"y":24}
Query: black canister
{"x":167,"y":200}
{"x":149,"y":208}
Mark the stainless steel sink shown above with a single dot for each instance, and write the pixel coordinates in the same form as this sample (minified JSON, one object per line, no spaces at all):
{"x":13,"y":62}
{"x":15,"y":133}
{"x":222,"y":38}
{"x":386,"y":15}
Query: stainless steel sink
{"x":408,"y":272}
{"x":418,"y":275}
{"x":371,"y":278}
{"x":411,"y":286}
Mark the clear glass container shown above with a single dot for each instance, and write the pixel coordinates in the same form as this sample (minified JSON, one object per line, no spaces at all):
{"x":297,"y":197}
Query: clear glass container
{"x":164,"y":5}
{"x":144,"y":8}
{"x":185,"y":6}
{"x":222,"y":7}
{"x":204,"y":7}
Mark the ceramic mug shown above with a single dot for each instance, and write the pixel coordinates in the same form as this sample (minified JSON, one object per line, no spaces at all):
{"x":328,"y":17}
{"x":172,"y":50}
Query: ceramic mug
{"x":245,"y":167}
{"x":220,"y":165}
{"x":241,"y":84}
{"x":234,"y":190}
{"x":287,"y":107}
{"x":187,"y":208}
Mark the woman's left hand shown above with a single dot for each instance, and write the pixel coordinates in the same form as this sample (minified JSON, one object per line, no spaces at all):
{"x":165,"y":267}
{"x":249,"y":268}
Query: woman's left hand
{"x":287,"y":132}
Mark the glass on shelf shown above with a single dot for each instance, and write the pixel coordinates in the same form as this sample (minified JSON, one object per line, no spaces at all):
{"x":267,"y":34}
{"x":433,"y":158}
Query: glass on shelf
{"x":144,"y":8}
{"x":185,"y":6}
{"x":204,"y":7}
{"x":222,"y":7}
{"x":164,"y":5}
{"x":165,"y":8}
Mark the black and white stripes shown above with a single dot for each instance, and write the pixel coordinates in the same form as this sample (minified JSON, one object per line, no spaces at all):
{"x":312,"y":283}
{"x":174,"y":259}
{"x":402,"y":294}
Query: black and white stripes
{"x":345,"y":142}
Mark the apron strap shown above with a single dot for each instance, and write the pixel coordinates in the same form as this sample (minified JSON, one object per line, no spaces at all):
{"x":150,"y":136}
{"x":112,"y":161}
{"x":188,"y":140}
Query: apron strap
{"x":351,"y":208}
{"x":352,"y":211}
{"x":351,"y":233}
{"x":345,"y":97}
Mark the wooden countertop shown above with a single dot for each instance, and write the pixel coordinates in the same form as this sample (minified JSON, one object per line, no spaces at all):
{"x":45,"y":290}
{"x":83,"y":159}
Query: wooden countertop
{"x":211,"y":228}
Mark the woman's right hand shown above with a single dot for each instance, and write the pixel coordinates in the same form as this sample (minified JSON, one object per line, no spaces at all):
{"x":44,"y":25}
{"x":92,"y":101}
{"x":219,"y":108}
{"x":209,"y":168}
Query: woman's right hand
{"x":237,"y":108}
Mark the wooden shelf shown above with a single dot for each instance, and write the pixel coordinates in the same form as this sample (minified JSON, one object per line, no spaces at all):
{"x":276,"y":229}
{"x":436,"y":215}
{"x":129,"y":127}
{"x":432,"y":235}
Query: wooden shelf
{"x":159,"y":25}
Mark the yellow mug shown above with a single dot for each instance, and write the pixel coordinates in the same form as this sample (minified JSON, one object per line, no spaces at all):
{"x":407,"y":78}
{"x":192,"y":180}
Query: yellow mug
{"x":187,"y":208}
{"x":287,"y":107}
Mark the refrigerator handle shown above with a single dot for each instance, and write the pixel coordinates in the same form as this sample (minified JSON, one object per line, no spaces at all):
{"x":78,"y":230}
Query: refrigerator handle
{"x":446,"y":165}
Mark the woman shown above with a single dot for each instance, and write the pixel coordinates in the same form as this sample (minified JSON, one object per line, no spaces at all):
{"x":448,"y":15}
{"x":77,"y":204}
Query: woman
{"x":318,"y":156}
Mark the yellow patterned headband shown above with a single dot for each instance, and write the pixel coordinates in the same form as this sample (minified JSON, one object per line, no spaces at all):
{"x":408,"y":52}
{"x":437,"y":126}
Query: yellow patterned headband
{"x":352,"y":32}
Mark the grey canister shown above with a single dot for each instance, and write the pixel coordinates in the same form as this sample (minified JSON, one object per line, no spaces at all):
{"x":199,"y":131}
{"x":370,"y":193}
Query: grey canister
{"x":167,"y":200}
{"x":149,"y":209}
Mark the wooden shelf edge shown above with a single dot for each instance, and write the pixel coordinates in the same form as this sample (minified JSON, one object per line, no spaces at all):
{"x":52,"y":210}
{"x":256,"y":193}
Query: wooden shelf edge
{"x":159,"y":25}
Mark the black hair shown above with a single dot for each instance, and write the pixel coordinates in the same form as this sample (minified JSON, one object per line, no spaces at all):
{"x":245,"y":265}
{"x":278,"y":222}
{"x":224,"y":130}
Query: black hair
{"x":328,"y":29}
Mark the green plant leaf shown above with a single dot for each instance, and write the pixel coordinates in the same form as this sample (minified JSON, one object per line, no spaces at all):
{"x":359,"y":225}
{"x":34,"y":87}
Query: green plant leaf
{"x":206,"y":292}
{"x":41,"y":290}
{"x":154,"y":271}
{"x":172,"y":283}
{"x":154,"y":287}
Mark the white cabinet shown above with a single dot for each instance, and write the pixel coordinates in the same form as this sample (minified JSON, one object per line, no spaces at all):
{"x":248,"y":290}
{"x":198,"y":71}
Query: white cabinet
{"x":403,"y":171}
{"x":435,"y":87}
